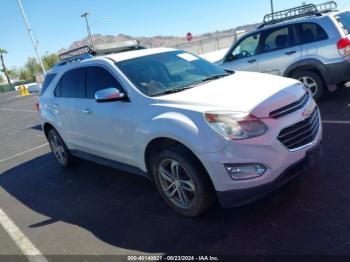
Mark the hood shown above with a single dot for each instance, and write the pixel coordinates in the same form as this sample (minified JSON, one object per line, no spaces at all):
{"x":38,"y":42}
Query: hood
{"x":254,"y":93}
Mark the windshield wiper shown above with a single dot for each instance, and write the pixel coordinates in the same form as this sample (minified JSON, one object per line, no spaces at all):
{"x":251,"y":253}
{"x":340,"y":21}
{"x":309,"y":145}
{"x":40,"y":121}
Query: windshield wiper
{"x":206,"y":79}
{"x":171,"y":91}
{"x":209,"y":78}
{"x":176,"y":90}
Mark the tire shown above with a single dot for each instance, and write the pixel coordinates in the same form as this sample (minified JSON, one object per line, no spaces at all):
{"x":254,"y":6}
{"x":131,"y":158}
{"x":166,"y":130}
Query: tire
{"x":191,"y":192}
{"x":313,"y":81}
{"x":60,"y":150}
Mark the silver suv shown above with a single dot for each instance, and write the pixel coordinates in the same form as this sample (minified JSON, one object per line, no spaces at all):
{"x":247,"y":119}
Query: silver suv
{"x":310,"y":43}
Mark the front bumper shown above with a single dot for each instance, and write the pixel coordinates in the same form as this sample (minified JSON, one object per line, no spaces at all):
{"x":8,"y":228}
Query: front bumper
{"x":267,"y":151}
{"x":235,"y":198}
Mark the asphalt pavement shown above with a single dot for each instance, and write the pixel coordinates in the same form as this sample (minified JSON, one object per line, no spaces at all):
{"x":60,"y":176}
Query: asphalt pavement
{"x":96,"y":210}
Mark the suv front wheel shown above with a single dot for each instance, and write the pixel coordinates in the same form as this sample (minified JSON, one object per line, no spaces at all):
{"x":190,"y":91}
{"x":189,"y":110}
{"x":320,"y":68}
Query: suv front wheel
{"x":312,"y":81}
{"x":182,"y":181}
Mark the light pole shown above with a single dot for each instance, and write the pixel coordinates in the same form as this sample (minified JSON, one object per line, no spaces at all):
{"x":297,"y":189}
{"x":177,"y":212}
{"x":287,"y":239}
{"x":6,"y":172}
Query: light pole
{"x":35,"y":44}
{"x":88,"y":27}
{"x":272,"y":7}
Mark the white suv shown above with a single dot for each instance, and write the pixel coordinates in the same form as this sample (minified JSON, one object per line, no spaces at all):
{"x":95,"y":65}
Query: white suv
{"x":199,"y":132}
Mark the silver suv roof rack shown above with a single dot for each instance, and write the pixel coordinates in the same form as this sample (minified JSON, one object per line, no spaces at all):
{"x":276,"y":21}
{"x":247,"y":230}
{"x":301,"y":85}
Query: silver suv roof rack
{"x":86,"y":52}
{"x":297,"y":12}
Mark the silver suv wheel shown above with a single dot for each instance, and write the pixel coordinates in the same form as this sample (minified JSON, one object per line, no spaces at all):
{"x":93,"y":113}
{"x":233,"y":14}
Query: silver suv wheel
{"x":58,"y":149}
{"x":177,"y":184}
{"x":309,"y":83}
{"x":312,"y":81}
{"x":181,"y":180}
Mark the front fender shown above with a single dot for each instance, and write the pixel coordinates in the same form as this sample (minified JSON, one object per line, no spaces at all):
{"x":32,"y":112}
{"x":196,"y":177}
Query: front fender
{"x":193,"y":132}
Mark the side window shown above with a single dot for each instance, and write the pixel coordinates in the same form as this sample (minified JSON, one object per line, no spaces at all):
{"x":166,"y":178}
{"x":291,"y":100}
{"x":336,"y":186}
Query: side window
{"x":58,"y":89}
{"x":276,"y":39}
{"x":47,"y":82}
{"x":246,"y":48}
{"x":98,"y":78}
{"x":72,"y":84}
{"x":311,"y":32}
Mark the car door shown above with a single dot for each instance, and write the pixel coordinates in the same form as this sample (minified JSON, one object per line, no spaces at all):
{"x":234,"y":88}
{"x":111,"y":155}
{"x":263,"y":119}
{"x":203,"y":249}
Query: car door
{"x":279,"y":50}
{"x":103,"y":129}
{"x":244,"y":56}
{"x":67,"y":89}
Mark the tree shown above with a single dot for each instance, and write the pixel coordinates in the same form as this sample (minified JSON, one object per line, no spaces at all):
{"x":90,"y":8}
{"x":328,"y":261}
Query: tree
{"x":32,"y":67}
{"x":2,"y":53}
{"x":50,"y":60}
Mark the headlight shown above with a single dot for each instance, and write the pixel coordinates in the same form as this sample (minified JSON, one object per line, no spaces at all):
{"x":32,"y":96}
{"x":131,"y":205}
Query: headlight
{"x":235,"y":125}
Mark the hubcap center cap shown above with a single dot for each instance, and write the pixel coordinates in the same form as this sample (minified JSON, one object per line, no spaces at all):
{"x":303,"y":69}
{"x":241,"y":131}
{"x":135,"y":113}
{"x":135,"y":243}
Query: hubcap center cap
{"x":177,"y":183}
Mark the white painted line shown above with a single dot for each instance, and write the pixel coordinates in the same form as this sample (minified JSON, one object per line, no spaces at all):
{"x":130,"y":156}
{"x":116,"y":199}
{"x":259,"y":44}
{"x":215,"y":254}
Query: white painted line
{"x":18,"y":110}
{"x":22,"y":242}
{"x":336,"y":122}
{"x":24,"y":152}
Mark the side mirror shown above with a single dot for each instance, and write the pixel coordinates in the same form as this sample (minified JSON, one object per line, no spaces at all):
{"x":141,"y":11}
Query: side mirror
{"x":230,"y":58}
{"x":109,"y":95}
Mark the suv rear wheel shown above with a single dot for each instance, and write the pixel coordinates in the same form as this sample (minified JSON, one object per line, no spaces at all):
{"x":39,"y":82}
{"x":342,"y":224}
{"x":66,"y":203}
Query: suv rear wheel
{"x":312,"y":81}
{"x":59,"y":149}
{"x":182,"y":182}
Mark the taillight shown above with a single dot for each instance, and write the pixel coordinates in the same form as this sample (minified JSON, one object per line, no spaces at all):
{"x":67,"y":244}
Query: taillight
{"x":343,"y":46}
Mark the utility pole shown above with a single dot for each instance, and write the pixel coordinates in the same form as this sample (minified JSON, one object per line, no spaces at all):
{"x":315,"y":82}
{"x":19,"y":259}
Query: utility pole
{"x":272,"y":7}
{"x":31,"y":37}
{"x":2,"y":53}
{"x":88,"y":27}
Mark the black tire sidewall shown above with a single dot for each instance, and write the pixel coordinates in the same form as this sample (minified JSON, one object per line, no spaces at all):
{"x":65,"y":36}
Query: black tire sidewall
{"x":204,"y":198}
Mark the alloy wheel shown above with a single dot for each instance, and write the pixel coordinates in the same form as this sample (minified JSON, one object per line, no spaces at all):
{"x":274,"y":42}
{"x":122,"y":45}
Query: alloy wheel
{"x":58,"y":149}
{"x":177,"y":184}
{"x":310,"y":84}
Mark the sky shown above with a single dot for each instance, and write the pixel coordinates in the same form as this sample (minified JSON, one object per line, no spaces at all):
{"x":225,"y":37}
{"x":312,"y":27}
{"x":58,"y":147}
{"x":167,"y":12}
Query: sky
{"x":57,"y":23}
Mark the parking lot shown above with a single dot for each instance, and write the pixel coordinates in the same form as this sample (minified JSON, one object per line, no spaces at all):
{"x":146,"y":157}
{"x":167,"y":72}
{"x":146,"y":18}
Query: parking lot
{"x":95,"y":210}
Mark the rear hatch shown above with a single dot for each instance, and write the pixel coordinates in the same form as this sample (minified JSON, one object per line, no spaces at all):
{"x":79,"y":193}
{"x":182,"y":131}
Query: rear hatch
{"x":344,"y":21}
{"x":343,"y":45}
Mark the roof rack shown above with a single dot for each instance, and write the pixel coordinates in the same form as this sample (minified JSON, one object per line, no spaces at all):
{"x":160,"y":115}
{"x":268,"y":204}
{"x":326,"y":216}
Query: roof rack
{"x":85,"y":52}
{"x":297,"y":12}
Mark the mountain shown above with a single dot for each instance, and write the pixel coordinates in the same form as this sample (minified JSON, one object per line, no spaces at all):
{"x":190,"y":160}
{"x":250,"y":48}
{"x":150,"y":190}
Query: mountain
{"x":155,"y":41}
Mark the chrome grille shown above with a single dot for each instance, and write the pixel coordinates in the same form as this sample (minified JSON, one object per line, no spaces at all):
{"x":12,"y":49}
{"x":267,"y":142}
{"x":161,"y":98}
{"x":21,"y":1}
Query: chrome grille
{"x":302,"y":133}
{"x":286,"y":110}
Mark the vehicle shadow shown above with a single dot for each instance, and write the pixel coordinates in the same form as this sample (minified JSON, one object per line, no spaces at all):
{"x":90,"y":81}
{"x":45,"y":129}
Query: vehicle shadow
{"x":125,"y":210}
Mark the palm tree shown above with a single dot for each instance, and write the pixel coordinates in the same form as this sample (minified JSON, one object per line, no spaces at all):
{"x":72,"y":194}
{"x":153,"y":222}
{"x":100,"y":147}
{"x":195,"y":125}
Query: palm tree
{"x":2,"y":53}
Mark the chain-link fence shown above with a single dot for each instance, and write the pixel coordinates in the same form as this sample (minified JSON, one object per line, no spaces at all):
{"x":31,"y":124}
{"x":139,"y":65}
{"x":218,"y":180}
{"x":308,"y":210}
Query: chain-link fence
{"x":210,"y":44}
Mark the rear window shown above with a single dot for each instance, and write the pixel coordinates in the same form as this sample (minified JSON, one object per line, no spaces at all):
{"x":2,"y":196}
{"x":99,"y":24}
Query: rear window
{"x":47,"y":82}
{"x":311,"y":32}
{"x":344,"y":21}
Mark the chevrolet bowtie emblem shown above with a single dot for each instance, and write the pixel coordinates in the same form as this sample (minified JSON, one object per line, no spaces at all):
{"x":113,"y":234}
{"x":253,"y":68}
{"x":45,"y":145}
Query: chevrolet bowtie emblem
{"x":308,"y":112}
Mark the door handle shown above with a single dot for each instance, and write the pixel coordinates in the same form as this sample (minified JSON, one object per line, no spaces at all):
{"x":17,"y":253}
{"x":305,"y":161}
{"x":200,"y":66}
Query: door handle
{"x":252,"y":61}
{"x":290,"y":53}
{"x":86,"y":111}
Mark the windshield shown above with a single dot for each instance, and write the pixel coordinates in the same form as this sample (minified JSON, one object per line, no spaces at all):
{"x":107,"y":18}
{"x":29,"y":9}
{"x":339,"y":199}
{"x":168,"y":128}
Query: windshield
{"x":169,"y":72}
{"x":344,"y":21}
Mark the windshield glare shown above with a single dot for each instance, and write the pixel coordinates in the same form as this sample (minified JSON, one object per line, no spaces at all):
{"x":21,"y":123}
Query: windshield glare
{"x":168,"y":72}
